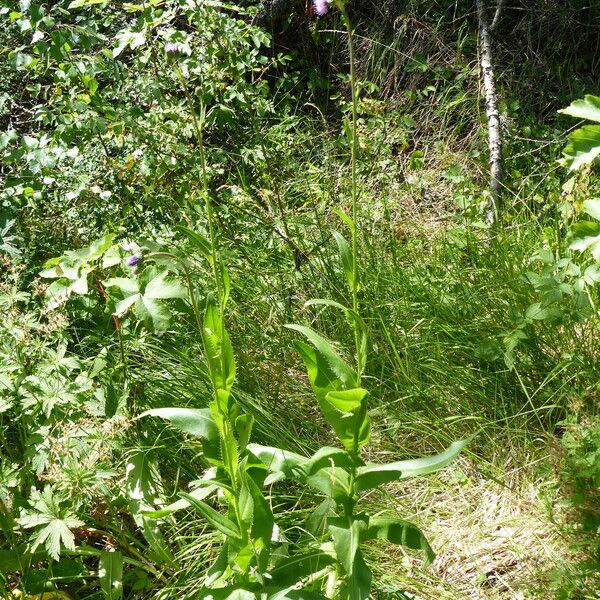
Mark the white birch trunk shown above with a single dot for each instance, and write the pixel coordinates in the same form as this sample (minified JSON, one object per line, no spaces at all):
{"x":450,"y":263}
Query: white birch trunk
{"x":493,"y":116}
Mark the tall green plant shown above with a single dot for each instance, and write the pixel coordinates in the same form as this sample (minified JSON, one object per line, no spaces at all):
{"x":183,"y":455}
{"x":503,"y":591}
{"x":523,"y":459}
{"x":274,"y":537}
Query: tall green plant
{"x":339,"y":526}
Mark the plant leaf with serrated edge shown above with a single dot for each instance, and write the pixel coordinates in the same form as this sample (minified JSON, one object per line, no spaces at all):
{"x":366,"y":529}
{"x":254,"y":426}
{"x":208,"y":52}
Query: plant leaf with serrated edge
{"x":216,"y":519}
{"x":372,"y":476}
{"x":219,"y":352}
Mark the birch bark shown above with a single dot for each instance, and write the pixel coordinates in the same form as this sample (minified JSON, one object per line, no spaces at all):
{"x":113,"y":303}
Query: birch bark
{"x":491,"y":108}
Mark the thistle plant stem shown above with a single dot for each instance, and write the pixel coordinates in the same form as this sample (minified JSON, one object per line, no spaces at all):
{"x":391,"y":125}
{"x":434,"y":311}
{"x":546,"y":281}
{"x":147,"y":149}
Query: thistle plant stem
{"x":204,"y":179}
{"x":228,"y":430}
{"x":354,"y":182}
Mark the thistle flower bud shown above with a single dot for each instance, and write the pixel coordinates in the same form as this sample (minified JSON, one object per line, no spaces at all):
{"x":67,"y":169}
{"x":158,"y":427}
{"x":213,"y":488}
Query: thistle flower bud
{"x":320,"y":7}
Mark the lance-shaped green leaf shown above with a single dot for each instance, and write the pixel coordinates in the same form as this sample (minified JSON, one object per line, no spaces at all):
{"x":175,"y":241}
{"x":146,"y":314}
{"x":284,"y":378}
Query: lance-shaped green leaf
{"x":359,"y":583}
{"x":195,"y":421}
{"x":346,"y":412}
{"x":254,"y":510}
{"x":327,"y":353}
{"x":397,"y":531}
{"x":346,"y":257}
{"x":199,"y":493}
{"x":198,"y":240}
{"x":216,"y":519}
{"x":372,"y":476}
{"x":355,"y":321}
{"x":219,"y":352}
{"x":110,"y":574}
{"x":292,"y":593}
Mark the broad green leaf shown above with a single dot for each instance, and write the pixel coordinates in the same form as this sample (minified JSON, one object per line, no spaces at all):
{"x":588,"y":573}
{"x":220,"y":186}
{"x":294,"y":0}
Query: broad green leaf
{"x":160,"y":551}
{"x":585,"y":235}
{"x":371,"y":476}
{"x":292,"y":593}
{"x":397,"y":531}
{"x":346,"y":412}
{"x":353,"y":318}
{"x":262,"y":518}
{"x":160,"y":288}
{"x":334,"y":482}
{"x":110,"y":573}
{"x":195,"y":421}
{"x":216,"y":519}
{"x":359,"y":584}
{"x":327,"y":457}
{"x":83,"y":3}
{"x":592,"y":208}
{"x":316,"y":524}
{"x":537,"y":312}
{"x":289,"y":464}
{"x":586,"y":108}
{"x":583,"y":147}
{"x":293,"y":568}
{"x":346,"y":534}
{"x":322,"y":378}
{"x":326,"y":351}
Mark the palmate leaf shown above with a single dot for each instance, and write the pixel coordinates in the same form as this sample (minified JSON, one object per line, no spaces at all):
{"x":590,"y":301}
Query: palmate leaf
{"x":146,"y":294}
{"x":52,"y":522}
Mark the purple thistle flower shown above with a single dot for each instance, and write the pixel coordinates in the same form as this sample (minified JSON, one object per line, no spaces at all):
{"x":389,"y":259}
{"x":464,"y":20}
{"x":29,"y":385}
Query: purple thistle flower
{"x":320,"y":7}
{"x":172,"y":48}
{"x":132,"y":261}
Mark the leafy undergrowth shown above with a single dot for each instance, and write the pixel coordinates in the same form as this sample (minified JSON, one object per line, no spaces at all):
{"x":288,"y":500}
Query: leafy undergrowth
{"x":184,"y":171}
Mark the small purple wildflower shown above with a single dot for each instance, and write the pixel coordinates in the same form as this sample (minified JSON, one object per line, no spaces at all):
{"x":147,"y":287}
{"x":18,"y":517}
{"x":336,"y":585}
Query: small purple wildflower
{"x":172,"y":48}
{"x":128,"y":246}
{"x":320,"y":7}
{"x":132,"y":261}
